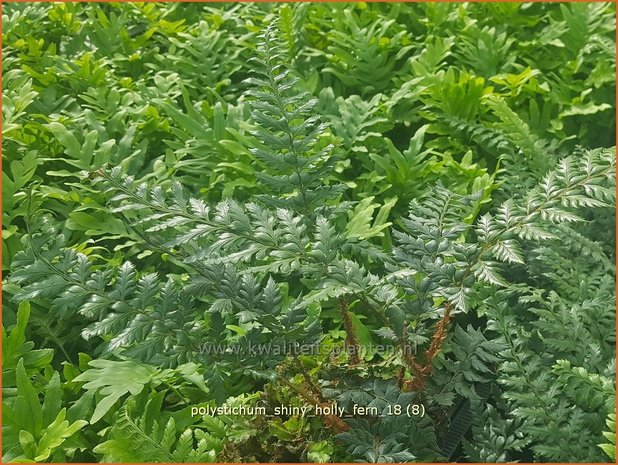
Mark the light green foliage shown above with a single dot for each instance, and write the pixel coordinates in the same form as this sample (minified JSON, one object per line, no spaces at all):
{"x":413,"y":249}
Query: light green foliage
{"x":15,"y":347}
{"x":40,"y":430}
{"x":610,"y":447}
{"x":148,"y":439}
{"x":399,"y":206}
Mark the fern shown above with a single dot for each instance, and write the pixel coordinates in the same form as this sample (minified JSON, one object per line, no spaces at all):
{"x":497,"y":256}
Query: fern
{"x":387,"y":438}
{"x":485,"y":50}
{"x":144,"y":439}
{"x":517,"y":132}
{"x":290,"y":131}
{"x":357,"y":56}
{"x":587,"y":390}
{"x":495,"y":438}
{"x":469,"y":359}
{"x":333,"y":214}
{"x":439,"y":273}
{"x":532,"y":388}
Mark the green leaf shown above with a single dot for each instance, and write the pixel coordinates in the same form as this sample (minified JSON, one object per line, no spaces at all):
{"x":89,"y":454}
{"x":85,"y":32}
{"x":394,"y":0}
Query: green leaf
{"x":56,"y":434}
{"x":360,"y":225}
{"x":27,"y":443}
{"x":11,"y":345}
{"x":27,"y":405}
{"x":114,"y":380}
{"x":53,"y":399}
{"x":70,"y":143}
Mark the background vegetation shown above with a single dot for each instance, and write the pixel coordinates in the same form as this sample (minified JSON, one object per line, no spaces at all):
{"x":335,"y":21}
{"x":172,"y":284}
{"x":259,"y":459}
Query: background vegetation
{"x":432,"y":177}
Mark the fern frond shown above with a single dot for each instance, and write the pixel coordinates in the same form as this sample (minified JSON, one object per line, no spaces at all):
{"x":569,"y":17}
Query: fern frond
{"x":473,"y":360}
{"x":290,"y":131}
{"x":588,"y":390}
{"x":610,"y":447}
{"x":143,"y":439}
{"x":494,"y":437}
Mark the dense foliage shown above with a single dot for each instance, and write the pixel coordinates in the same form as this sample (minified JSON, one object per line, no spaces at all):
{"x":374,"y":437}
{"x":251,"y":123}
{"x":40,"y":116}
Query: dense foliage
{"x":422,"y":195}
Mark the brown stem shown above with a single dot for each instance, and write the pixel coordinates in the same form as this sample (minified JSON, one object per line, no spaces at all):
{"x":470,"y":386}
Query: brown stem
{"x":406,"y":349}
{"x":421,"y":373}
{"x":332,"y":421}
{"x":352,"y":346}
{"x":438,"y":336}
